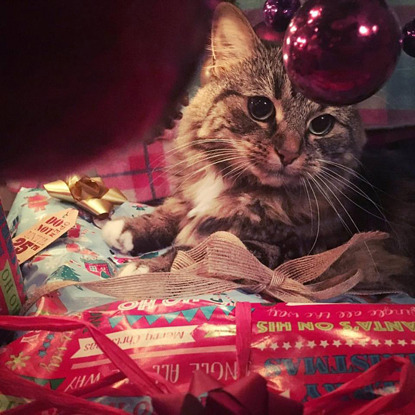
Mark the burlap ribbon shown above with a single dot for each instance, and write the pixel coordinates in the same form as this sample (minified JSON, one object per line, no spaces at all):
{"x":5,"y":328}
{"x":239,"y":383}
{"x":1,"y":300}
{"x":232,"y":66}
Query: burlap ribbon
{"x":222,"y":263}
{"x":89,"y":193}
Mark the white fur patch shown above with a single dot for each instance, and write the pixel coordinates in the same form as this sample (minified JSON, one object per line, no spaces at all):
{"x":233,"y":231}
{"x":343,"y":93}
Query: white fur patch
{"x":206,"y":190}
{"x":134,"y":268}
{"x":113,"y":235}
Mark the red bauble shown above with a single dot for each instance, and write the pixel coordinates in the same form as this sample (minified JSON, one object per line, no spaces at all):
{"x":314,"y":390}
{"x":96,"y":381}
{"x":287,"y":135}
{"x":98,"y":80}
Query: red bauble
{"x":268,"y":33}
{"x":81,"y":76}
{"x":278,"y":13}
{"x":341,"y":52}
{"x":408,"y":38}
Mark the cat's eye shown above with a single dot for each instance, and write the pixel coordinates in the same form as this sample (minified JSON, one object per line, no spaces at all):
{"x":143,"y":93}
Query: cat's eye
{"x":261,"y":108}
{"x":321,"y":125}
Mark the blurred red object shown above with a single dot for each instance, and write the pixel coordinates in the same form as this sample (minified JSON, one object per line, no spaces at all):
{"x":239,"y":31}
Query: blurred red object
{"x":81,"y":76}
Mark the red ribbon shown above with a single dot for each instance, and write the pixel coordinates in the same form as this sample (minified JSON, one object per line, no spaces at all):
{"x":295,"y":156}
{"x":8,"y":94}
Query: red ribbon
{"x":247,"y":396}
{"x":206,"y":396}
{"x":342,"y":402}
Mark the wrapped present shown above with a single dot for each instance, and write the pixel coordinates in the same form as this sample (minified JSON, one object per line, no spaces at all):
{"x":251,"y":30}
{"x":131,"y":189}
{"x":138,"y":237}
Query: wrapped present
{"x":12,"y":293}
{"x":309,"y":351}
{"x":79,"y":256}
{"x":131,"y":359}
{"x":106,"y":352}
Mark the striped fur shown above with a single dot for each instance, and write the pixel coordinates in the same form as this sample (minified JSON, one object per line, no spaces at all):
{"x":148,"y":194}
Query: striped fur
{"x":229,"y":174}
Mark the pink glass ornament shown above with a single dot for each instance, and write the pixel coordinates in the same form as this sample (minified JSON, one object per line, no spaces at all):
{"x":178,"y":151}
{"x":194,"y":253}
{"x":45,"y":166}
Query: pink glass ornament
{"x":341,"y":52}
{"x":278,"y":13}
{"x":408,"y":39}
{"x":268,"y":33}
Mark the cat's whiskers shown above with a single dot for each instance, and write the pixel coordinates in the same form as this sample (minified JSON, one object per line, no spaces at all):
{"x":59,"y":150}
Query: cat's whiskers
{"x":172,"y":168}
{"x":346,"y":169}
{"x":235,"y":167}
{"x":382,"y":217}
{"x":193,"y":174}
{"x":352,"y":172}
{"x":207,"y":151}
{"x":358,"y":161}
{"x":375,"y":188}
{"x":306,"y":183}
{"x":214,"y":160}
{"x":211,"y":154}
{"x":179,"y":148}
{"x":197,"y":157}
{"x":232,"y":168}
{"x":321,"y":180}
{"x":238,"y":169}
{"x":241,"y":173}
{"x":347,"y":180}
{"x":170,"y":153}
{"x":331,"y":175}
{"x":329,"y":201}
{"x":192,"y":143}
{"x":324,"y":183}
{"x":205,"y":167}
{"x":171,"y":165}
{"x":182,"y":165}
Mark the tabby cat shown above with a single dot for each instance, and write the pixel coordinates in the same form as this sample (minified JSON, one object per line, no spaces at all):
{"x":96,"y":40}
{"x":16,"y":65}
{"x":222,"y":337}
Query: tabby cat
{"x":288,"y":176}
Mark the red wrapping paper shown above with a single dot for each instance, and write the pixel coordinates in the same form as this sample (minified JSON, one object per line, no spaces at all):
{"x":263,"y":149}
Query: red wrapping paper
{"x":309,"y":351}
{"x":353,"y":356}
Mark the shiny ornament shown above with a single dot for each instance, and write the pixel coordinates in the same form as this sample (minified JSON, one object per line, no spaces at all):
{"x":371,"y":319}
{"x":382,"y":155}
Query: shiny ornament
{"x":341,"y":52}
{"x":408,"y":38}
{"x":268,"y":33}
{"x":278,"y":13}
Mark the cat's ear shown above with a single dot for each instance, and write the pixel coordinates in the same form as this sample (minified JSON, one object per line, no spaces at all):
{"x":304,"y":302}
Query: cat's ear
{"x":233,"y":39}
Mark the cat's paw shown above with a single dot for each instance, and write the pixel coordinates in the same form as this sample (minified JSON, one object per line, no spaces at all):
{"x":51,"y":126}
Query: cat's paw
{"x":134,"y":268}
{"x":116,"y":235}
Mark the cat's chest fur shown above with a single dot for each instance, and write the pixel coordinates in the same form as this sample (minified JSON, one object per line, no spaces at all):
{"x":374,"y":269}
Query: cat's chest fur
{"x":204,"y":195}
{"x":257,"y":213}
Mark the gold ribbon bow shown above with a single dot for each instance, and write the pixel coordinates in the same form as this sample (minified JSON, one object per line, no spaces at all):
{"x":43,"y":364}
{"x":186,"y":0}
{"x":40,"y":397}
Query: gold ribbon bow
{"x":89,"y":193}
{"x":222,"y":263}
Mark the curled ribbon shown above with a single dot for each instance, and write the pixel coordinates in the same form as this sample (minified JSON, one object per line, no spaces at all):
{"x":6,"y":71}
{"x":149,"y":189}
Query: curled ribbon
{"x":89,"y":193}
{"x":223,"y":263}
{"x":248,"y":395}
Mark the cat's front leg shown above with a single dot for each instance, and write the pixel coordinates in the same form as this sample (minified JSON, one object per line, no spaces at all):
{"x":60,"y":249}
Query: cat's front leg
{"x":147,"y":232}
{"x":161,"y":263}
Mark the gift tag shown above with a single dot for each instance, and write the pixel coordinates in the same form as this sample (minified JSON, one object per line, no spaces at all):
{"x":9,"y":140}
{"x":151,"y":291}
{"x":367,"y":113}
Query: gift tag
{"x":39,"y":236}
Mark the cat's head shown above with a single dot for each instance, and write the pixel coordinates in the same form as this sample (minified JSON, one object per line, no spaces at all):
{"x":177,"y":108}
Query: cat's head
{"x":249,"y":120}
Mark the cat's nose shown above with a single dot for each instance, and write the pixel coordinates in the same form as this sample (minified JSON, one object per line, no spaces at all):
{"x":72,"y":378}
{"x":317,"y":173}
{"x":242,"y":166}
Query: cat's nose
{"x":287,"y":157}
